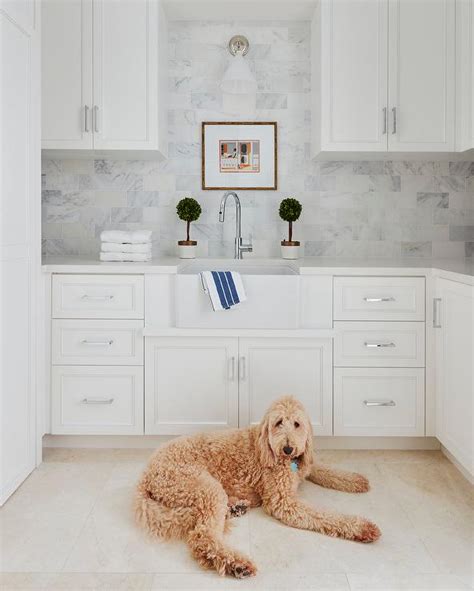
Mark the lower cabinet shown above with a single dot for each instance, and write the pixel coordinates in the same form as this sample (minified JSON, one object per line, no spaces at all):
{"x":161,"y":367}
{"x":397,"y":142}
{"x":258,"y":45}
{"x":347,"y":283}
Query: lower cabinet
{"x":205,"y":383}
{"x":454,"y":324}
{"x":102,"y":400}
{"x":272,"y":367}
{"x":191,"y":384}
{"x":379,"y":401}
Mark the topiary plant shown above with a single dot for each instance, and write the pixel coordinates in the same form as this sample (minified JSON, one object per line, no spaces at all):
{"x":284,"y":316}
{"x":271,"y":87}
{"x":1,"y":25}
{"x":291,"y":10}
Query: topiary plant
{"x":290,"y":211}
{"x":188,"y":210}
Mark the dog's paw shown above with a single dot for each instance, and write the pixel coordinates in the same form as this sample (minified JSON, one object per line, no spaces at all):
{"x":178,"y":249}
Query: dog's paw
{"x":360,"y":483}
{"x":240,"y":508}
{"x":241,"y":568}
{"x":367,"y":532}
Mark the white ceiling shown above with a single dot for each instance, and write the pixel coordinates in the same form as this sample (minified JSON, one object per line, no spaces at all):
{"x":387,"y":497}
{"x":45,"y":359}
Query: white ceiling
{"x":242,"y":10}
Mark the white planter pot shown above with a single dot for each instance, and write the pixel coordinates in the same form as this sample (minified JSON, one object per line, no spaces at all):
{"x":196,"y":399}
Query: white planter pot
{"x":290,"y":252}
{"x":187,"y":251}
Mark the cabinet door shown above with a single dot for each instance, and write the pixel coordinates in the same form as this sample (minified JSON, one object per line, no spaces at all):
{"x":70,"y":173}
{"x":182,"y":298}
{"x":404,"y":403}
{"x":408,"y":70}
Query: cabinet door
{"x":19,"y":253}
{"x":272,"y":367}
{"x":421,"y":75}
{"x":353,"y":75}
{"x":191,"y":384}
{"x":454,"y":370}
{"x":464,"y":75}
{"x":125,"y":74}
{"x":66,"y":74}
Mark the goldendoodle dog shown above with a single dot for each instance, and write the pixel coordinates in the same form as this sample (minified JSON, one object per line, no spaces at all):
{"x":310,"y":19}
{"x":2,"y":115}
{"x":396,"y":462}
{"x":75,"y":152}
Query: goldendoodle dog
{"x":192,"y":485}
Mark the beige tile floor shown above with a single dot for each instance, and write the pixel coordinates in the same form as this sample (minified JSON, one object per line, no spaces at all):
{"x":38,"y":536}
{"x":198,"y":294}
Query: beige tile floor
{"x":70,"y":527}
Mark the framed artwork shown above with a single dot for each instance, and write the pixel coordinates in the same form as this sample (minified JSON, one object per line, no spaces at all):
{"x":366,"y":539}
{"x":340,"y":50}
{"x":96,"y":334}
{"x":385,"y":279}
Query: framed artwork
{"x":239,"y":155}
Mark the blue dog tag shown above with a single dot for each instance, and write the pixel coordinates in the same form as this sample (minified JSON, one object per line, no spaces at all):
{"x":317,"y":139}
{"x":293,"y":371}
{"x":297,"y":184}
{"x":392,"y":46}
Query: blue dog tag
{"x":294,"y":466}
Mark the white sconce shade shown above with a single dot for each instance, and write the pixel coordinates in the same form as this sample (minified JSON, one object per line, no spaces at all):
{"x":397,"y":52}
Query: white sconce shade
{"x":238,"y":78}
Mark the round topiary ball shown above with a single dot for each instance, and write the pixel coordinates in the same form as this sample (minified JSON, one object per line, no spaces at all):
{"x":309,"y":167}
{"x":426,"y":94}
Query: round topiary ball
{"x":188,"y":209}
{"x":290,"y":209}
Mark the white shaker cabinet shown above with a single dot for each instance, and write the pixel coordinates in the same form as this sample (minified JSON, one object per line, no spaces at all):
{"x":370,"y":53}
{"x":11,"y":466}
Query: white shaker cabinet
{"x":274,"y":367}
{"x":191,"y":384}
{"x":105,"y":89}
{"x":19,"y":240}
{"x":66,"y":75}
{"x":421,"y":75}
{"x":196,"y":384}
{"x":464,"y":75}
{"x":383,"y":76}
{"x":454,"y":327}
{"x":350,"y":90}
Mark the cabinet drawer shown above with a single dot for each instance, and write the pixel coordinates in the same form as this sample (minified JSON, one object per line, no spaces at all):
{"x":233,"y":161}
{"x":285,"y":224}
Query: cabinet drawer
{"x":379,"y":298}
{"x":98,"y":296}
{"x":379,"y":344}
{"x":97,"y":342}
{"x":97,"y":400}
{"x":383,"y":402}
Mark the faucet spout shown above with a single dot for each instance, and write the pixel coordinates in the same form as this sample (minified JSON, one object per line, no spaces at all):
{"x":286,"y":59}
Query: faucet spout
{"x":239,"y":246}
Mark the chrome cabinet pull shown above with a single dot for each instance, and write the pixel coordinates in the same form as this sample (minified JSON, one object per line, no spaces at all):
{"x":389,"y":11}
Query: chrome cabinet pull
{"x":242,"y":369}
{"x":231,"y":369}
{"x":384,"y":110}
{"x":436,"y":314}
{"x":394,"y":114}
{"x":97,"y":297}
{"x":379,"y":403}
{"x":96,"y":119}
{"x":98,"y":343}
{"x":379,"y":345}
{"x":373,"y":300}
{"x":98,"y":400}
{"x":86,"y":119}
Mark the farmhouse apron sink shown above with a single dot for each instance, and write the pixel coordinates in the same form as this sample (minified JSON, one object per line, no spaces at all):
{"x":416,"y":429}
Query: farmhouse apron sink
{"x":272,"y":297}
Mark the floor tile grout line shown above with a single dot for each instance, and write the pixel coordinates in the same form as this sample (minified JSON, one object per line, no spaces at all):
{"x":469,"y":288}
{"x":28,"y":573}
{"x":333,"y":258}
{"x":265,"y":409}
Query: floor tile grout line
{"x":349,"y":586}
{"x":94,"y":502}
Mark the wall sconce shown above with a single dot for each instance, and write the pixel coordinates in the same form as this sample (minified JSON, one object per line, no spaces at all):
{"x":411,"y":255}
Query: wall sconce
{"x":238,"y":78}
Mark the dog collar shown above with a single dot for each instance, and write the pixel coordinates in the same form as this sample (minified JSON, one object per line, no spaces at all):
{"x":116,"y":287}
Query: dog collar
{"x":294,"y":466}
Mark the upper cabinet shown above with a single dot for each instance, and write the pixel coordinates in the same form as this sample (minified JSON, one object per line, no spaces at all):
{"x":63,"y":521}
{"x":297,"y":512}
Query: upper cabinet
{"x":383,"y":76}
{"x":66,"y":74}
{"x":421,"y":78}
{"x":349,"y":45}
{"x":104,"y":89}
{"x":464,"y":75}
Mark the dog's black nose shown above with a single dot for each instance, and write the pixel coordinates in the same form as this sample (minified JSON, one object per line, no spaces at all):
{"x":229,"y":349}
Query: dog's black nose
{"x":287,"y":449}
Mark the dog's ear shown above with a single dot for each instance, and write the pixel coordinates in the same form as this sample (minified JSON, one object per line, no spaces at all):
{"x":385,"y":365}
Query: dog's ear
{"x":266,"y":455}
{"x":307,"y":459}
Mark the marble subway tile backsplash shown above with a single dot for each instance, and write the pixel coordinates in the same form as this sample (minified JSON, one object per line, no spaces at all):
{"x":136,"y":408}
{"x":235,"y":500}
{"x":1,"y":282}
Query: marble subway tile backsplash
{"x":350,"y":208}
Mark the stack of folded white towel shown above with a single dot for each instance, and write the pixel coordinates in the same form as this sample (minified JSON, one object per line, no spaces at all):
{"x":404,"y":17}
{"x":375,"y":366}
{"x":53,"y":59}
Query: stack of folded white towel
{"x":118,"y":245}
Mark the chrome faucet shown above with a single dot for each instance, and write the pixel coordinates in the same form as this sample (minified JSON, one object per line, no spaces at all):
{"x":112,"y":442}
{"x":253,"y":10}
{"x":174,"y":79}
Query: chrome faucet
{"x":240,"y":247}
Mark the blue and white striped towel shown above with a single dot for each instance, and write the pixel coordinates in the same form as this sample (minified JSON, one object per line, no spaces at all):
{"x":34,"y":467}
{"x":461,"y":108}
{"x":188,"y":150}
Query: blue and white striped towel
{"x":224,"y":288}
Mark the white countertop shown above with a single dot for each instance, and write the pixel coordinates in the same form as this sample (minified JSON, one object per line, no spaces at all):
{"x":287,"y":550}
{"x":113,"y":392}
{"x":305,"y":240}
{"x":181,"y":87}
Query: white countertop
{"x":457,"y":270}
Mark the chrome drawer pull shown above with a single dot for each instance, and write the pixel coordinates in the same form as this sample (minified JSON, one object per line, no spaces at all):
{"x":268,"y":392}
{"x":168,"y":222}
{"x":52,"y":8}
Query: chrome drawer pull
{"x":379,"y":345}
{"x":379,"y":403}
{"x":374,"y":300}
{"x":97,"y":343}
{"x":232,"y":369}
{"x":436,"y":314}
{"x":97,"y":297}
{"x":97,"y":400}
{"x":86,"y":119}
{"x":242,"y":369}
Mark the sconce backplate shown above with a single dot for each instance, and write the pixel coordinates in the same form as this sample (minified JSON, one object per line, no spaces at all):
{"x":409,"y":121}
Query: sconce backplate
{"x":239,"y":44}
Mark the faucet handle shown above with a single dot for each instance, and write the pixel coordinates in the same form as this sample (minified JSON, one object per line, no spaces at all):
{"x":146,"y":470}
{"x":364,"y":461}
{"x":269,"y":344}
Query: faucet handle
{"x":246,"y":247}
